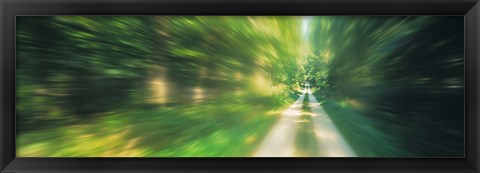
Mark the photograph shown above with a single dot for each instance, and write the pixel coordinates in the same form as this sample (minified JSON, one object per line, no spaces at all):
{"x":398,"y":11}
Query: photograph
{"x":240,"y":86}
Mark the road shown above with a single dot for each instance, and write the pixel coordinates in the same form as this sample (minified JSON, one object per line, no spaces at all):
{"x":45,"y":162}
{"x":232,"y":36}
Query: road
{"x":280,"y":141}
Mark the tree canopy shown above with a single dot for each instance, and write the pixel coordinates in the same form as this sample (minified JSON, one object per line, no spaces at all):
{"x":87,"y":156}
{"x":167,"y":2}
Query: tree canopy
{"x":392,"y":84}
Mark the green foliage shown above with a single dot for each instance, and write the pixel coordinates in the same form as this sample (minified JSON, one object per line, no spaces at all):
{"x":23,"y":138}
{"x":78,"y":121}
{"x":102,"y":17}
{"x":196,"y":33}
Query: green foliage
{"x":198,"y":85}
{"x":170,"y":86}
{"x":402,"y":75}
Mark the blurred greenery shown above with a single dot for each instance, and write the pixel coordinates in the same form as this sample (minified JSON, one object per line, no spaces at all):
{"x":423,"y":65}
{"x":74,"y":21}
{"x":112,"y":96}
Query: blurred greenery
{"x":398,"y":80}
{"x":213,"y":86}
{"x":151,"y":86}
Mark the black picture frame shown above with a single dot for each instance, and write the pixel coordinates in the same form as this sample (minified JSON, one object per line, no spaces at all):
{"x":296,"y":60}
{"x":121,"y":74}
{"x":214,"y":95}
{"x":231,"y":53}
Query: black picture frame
{"x":11,"y":8}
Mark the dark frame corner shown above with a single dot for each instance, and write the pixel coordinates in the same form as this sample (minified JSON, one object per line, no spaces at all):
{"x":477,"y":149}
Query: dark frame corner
{"x":10,"y":8}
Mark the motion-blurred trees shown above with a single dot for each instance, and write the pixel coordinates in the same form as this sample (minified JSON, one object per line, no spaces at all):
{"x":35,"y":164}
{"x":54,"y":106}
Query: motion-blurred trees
{"x":405,"y":73}
{"x":82,"y":66}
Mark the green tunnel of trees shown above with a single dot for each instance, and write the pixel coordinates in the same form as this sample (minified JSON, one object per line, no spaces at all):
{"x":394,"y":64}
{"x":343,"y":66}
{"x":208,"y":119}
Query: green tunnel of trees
{"x":177,"y":85}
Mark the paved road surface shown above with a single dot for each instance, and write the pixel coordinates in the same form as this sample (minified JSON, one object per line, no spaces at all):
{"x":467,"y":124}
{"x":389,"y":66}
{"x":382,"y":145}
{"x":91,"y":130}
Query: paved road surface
{"x":331,"y":142}
{"x":280,"y":141}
